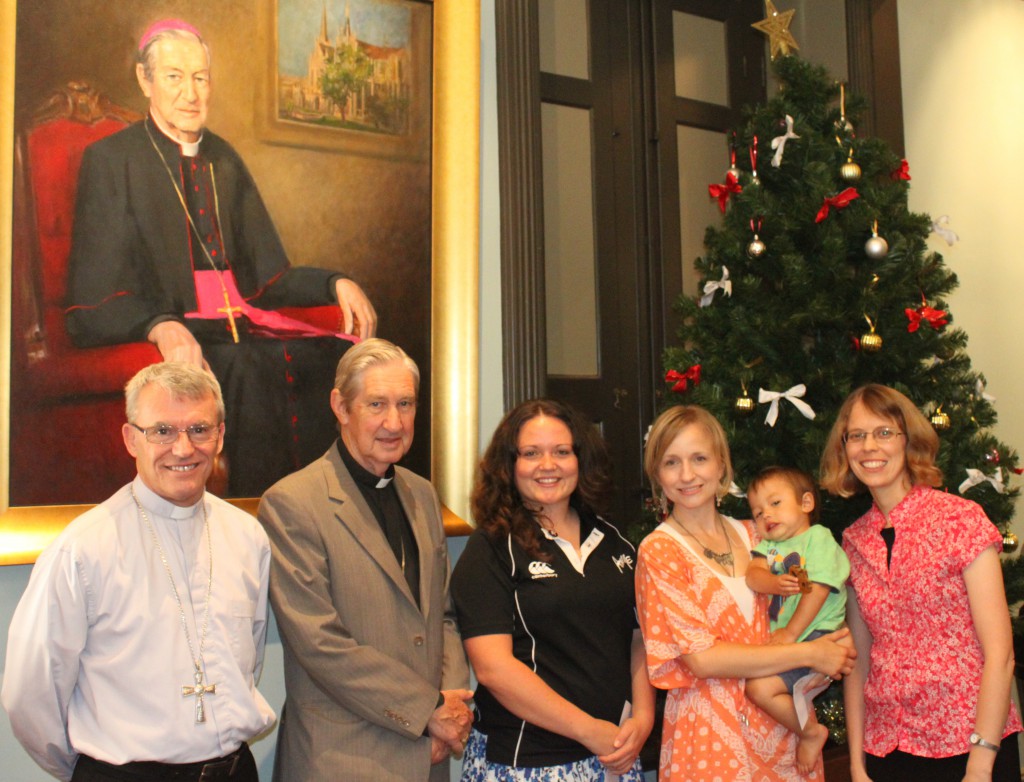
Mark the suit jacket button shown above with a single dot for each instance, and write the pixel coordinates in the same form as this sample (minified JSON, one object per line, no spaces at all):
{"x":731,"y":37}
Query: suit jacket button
{"x":418,"y":640}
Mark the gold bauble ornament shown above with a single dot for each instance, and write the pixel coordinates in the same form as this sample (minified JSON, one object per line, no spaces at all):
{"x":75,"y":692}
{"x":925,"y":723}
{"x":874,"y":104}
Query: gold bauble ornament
{"x":940,"y":420}
{"x":756,"y":248}
{"x":871,"y":342}
{"x":1010,"y":543}
{"x":850,"y":171}
{"x":744,"y":405}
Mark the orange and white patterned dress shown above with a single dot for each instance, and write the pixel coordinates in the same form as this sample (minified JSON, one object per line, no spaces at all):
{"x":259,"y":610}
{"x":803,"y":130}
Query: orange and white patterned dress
{"x":711,"y":733}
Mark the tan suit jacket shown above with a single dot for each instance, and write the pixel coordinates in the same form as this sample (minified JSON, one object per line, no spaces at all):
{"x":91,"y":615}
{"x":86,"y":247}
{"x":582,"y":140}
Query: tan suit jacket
{"x":363,"y":663}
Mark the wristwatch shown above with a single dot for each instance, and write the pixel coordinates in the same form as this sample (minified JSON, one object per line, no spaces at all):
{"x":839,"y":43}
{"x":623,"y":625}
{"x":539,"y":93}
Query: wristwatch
{"x":978,"y":741}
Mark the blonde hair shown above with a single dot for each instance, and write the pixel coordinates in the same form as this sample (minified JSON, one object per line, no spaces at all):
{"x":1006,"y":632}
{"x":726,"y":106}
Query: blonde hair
{"x":921,"y":448}
{"x":668,"y":426}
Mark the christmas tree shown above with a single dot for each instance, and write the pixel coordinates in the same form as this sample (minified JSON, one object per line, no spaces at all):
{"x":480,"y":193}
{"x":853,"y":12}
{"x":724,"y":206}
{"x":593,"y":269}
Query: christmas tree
{"x":819,"y":280}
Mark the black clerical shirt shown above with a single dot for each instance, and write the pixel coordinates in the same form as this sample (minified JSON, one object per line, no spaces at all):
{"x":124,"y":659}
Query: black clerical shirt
{"x":381,"y":496}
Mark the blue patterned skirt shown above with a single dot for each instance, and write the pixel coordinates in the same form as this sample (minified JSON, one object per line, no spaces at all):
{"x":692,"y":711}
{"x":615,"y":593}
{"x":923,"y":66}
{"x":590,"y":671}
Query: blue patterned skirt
{"x":476,"y":768}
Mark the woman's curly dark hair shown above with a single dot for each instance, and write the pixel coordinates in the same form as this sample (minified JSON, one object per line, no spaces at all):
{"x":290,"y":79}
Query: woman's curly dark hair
{"x":496,"y":503}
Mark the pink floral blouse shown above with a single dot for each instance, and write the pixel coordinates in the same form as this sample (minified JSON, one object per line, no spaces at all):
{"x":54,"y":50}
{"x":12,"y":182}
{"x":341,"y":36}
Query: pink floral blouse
{"x":922,"y":687}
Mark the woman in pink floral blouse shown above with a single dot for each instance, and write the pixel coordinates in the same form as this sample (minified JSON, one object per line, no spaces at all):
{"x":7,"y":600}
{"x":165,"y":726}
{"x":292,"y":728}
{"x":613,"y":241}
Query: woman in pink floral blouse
{"x":929,"y":697}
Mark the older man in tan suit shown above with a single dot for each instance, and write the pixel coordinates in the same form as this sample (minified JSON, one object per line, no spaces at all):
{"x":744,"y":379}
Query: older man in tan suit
{"x":374,"y":667}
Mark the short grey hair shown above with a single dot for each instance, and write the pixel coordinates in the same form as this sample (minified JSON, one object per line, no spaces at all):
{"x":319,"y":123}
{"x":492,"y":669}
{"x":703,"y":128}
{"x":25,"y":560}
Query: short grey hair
{"x":348,"y":379}
{"x":182,"y":381}
{"x":145,"y":56}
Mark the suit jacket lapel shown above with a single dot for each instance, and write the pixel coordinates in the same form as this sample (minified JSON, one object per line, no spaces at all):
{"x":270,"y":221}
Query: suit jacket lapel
{"x":352,"y":511}
{"x":424,"y":544}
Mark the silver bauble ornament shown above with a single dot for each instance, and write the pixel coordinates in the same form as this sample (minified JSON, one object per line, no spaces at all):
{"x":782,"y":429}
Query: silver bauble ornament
{"x":734,"y":171}
{"x":876,"y":247}
{"x":756,"y":248}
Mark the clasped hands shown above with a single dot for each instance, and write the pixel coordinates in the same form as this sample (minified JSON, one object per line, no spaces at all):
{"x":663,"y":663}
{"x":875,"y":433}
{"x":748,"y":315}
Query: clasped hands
{"x":449,"y":725}
{"x":626,"y":741}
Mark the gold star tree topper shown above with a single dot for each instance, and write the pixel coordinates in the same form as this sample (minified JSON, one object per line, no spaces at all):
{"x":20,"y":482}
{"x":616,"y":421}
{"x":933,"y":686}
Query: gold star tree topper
{"x":776,"y":27}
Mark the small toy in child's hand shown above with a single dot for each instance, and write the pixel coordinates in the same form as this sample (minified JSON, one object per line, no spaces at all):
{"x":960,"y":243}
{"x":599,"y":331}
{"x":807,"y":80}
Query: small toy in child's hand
{"x":801,"y":576}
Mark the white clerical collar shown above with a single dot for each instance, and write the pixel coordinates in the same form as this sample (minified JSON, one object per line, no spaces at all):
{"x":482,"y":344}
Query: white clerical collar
{"x":158,"y":506}
{"x":188,"y":148}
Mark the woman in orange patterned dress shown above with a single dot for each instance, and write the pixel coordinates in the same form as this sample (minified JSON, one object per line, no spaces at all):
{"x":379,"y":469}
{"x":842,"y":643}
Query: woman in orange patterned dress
{"x":704,"y":630}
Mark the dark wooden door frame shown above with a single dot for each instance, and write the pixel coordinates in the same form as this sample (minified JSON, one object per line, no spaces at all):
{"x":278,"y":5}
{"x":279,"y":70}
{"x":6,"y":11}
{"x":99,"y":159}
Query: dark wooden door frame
{"x":874,"y":68}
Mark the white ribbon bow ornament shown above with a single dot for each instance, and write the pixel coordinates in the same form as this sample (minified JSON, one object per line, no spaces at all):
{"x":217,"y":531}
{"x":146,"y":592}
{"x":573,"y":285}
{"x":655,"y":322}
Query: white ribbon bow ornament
{"x":779,"y":142}
{"x":974,"y":477}
{"x":793,"y":395}
{"x":948,"y":234}
{"x":979,"y":391}
{"x":725,"y":285}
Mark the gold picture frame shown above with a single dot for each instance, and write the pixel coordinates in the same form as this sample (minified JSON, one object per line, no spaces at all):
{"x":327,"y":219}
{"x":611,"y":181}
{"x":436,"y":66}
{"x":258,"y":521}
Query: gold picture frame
{"x":26,"y":530}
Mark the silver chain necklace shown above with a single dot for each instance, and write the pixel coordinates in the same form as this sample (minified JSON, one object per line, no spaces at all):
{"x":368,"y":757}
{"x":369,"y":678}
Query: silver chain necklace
{"x":199,"y":689}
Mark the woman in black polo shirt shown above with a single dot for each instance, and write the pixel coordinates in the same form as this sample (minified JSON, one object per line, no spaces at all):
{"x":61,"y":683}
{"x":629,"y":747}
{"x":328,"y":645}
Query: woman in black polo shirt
{"x":545,"y":599}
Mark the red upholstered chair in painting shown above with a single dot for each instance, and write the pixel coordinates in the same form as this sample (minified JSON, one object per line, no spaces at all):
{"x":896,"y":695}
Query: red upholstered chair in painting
{"x":67,"y":403}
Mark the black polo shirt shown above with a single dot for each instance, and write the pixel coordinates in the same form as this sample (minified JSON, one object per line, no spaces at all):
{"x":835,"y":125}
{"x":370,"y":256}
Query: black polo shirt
{"x":573,"y":629}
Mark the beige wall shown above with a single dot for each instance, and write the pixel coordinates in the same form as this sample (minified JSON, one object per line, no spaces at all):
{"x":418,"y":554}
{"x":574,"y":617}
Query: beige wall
{"x":963,"y":107}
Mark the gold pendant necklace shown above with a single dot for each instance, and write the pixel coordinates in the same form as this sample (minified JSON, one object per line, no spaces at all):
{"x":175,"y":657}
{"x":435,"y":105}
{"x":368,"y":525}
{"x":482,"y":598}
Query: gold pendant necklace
{"x":724,"y":559}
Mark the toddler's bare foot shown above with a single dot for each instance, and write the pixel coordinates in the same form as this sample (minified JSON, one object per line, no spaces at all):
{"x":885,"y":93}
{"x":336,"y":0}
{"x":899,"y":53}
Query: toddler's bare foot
{"x":809,"y":748}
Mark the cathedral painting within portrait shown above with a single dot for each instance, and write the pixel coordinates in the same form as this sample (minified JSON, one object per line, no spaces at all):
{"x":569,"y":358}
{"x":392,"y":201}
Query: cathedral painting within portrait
{"x":354,"y":72}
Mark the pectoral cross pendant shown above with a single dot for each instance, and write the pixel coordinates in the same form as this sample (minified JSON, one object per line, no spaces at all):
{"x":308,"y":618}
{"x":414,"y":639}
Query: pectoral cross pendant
{"x":230,"y":311}
{"x":199,"y":690}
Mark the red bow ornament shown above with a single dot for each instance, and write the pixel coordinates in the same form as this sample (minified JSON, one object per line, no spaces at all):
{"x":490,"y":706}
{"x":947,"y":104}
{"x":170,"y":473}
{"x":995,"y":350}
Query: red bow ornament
{"x":682,"y":379}
{"x":903,"y":172}
{"x":839,"y":201}
{"x":933,"y":317}
{"x":722,"y":192}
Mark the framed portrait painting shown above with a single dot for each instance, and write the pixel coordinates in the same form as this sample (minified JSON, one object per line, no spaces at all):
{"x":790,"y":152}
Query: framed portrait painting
{"x":360,"y":155}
